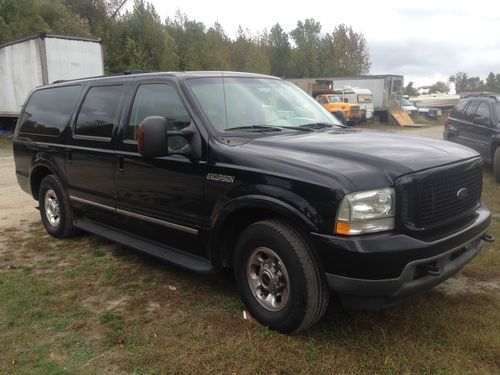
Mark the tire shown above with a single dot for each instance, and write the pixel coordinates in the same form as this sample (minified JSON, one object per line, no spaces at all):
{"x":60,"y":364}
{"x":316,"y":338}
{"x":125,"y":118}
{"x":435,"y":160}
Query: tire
{"x":289,"y":267}
{"x":55,"y":209}
{"x":496,"y":164}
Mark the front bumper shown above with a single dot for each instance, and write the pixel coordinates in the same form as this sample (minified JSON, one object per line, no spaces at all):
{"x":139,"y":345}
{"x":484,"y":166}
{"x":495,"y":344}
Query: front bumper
{"x":385,"y":269}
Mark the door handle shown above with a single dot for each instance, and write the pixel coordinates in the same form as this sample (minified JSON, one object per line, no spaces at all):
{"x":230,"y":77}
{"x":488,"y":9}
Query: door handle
{"x":120,"y":164}
{"x":70,"y":157}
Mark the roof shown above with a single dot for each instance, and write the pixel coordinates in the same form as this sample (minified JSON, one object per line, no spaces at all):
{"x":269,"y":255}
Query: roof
{"x":46,"y":35}
{"x":181,"y":75}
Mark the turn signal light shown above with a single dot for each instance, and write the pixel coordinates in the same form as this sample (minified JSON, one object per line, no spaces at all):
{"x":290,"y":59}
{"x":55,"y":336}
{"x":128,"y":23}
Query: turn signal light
{"x":343,"y":228}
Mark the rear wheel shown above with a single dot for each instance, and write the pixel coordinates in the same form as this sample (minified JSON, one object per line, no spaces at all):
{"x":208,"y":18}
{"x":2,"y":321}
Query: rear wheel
{"x":496,"y":164}
{"x":278,"y":277}
{"x":55,"y":208}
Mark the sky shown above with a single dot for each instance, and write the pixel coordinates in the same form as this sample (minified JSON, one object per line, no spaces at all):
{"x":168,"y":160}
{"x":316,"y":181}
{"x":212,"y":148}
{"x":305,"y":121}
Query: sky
{"x":424,"y":40}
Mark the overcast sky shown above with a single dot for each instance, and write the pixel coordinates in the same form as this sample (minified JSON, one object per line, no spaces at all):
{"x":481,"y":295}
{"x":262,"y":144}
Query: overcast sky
{"x":424,"y":40}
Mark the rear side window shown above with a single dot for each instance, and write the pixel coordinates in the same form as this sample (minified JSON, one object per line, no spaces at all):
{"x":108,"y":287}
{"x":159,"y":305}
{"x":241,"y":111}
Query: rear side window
{"x":99,"y":112}
{"x":48,"y":111}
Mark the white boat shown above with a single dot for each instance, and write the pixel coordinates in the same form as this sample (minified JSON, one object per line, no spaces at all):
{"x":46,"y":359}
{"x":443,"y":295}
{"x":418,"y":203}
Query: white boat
{"x":436,"y":100}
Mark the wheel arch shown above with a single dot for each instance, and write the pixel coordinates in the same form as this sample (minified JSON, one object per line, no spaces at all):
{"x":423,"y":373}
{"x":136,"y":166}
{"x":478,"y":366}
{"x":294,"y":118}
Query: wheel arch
{"x":244,"y":211}
{"x":40,"y":169}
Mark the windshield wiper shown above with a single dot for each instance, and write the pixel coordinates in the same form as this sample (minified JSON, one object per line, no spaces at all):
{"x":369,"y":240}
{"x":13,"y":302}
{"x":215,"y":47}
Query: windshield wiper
{"x":255,"y":127}
{"x":321,"y":125}
{"x":268,"y":128}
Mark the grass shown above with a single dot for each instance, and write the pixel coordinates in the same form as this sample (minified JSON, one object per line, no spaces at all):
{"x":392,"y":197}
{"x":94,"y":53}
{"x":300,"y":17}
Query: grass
{"x":85,"y":305}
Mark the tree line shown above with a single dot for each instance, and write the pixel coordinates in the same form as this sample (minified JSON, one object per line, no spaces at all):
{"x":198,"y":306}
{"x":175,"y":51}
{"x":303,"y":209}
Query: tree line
{"x":140,"y":40}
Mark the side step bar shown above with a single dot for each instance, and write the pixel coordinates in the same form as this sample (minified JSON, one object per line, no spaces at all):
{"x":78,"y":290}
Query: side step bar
{"x":179,"y":258}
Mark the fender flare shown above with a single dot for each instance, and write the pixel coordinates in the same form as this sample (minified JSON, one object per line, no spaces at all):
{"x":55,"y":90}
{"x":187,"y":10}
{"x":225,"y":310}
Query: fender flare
{"x":41,"y":161}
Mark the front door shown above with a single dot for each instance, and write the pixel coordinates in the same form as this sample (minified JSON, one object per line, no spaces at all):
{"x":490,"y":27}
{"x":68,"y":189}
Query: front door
{"x":159,"y":198}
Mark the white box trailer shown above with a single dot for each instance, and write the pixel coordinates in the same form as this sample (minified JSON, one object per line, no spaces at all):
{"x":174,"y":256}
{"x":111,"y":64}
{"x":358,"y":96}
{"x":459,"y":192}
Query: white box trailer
{"x":386,"y":88}
{"x":42,"y":59}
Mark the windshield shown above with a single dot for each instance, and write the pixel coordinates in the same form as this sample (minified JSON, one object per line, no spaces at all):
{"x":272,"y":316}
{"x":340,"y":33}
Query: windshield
{"x":334,"y":99}
{"x":365,"y":98}
{"x":231,"y":103}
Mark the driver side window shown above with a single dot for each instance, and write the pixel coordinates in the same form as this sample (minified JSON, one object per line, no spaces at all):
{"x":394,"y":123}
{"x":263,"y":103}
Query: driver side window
{"x":158,"y":99}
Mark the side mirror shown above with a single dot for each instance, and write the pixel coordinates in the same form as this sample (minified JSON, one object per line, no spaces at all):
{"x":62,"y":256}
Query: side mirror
{"x":154,"y":139}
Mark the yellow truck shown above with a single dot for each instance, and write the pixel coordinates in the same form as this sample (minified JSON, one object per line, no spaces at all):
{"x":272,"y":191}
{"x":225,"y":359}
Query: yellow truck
{"x":322,"y":91}
{"x":333,"y":104}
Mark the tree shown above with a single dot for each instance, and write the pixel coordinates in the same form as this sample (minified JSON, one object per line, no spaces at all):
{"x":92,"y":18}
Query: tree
{"x":139,"y":39}
{"x":460,"y":79}
{"x":492,"y":82}
{"x":464,"y":83}
{"x":279,"y":50}
{"x":439,"y":86}
{"x":305,"y":56}
{"x":410,"y":90}
{"x":218,"y":49}
{"x":248,"y":53}
{"x":350,"y":52}
{"x":20,"y":18}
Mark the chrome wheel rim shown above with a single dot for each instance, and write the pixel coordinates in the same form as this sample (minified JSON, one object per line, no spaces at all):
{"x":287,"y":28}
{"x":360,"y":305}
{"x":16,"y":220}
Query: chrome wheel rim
{"x":52,"y":208}
{"x":268,"y":279}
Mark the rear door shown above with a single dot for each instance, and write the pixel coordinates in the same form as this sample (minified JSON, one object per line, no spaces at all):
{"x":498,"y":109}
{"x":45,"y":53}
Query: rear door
{"x":480,"y":132}
{"x":464,"y":124}
{"x":90,"y":151}
{"x":159,"y":198}
{"x":456,"y":121}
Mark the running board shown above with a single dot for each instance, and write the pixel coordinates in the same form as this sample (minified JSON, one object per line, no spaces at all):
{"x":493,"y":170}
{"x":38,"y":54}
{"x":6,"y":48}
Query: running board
{"x":179,"y":258}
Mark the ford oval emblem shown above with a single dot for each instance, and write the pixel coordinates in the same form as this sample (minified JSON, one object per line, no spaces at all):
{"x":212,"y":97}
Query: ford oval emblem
{"x":462,"y":194}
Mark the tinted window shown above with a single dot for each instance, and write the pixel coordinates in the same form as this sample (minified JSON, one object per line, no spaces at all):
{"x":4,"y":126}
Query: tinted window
{"x":48,"y":111}
{"x":483,"y":110}
{"x":157,"y":100}
{"x":471,"y":110}
{"x":99,"y":112}
{"x":458,"y":110}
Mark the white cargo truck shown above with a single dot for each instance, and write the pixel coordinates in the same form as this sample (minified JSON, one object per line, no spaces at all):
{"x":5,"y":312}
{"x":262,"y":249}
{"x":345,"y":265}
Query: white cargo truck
{"x":39,"y":60}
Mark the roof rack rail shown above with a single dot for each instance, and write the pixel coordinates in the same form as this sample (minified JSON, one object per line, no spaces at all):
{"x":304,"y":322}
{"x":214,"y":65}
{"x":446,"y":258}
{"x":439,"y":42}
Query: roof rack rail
{"x":125,"y":73}
{"x":482,"y":94}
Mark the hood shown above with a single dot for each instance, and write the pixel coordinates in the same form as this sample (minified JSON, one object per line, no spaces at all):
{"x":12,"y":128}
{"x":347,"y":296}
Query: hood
{"x":366,"y":159}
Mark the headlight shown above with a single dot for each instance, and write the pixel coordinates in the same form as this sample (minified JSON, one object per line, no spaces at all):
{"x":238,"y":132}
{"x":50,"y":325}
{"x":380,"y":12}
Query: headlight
{"x":366,"y":212}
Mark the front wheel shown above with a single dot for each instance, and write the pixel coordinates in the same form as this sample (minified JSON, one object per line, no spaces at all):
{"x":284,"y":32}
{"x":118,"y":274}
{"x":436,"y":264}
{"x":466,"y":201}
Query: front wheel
{"x":496,"y":164}
{"x":278,"y":277}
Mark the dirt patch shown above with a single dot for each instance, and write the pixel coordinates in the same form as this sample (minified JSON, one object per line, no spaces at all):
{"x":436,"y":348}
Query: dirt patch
{"x":17,"y":209}
{"x":101,"y":303}
{"x":461,"y":284}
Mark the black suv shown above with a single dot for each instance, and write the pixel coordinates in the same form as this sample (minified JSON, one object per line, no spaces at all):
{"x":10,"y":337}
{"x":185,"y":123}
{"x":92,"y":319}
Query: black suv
{"x":475,"y":122}
{"x":215,"y":170}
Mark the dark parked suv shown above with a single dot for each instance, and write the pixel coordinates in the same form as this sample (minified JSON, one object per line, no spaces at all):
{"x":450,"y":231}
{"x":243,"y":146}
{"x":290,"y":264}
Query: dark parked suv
{"x":475,"y":122}
{"x":211,"y":170}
